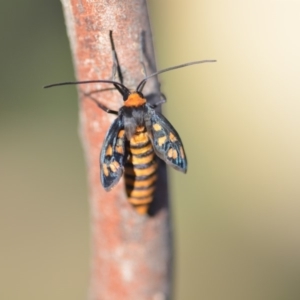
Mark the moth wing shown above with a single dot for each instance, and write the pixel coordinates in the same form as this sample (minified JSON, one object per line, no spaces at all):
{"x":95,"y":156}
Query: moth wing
{"x":112,"y":156}
{"x":166,"y":141}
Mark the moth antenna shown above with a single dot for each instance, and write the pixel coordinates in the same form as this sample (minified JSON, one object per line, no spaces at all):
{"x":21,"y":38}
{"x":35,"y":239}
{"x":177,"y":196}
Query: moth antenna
{"x":122,"y":87}
{"x":143,"y":82}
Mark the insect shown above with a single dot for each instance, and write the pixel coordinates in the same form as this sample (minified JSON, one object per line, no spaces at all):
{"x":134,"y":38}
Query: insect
{"x":133,"y":141}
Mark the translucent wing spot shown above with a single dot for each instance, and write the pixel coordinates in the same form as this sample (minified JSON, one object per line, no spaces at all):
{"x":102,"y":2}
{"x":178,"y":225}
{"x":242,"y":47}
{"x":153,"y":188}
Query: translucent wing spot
{"x":109,"y":151}
{"x":161,"y":140}
{"x":119,"y":149}
{"x":114,"y":166}
{"x":119,"y":146}
{"x":157,"y":127}
{"x":172,"y":137}
{"x":105,"y":170}
{"x":119,"y":142}
{"x":175,"y":155}
{"x":181,"y":152}
{"x":121,"y":133}
{"x":172,"y":153}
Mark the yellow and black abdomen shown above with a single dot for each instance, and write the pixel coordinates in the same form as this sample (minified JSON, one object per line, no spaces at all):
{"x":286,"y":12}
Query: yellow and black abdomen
{"x":140,"y":170}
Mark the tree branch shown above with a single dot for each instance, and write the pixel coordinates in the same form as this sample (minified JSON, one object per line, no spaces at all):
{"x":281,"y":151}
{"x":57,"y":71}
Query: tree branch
{"x":131,"y":253}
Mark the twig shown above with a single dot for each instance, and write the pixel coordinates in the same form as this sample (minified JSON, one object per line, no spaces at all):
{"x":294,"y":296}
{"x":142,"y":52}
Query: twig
{"x":131,"y":254}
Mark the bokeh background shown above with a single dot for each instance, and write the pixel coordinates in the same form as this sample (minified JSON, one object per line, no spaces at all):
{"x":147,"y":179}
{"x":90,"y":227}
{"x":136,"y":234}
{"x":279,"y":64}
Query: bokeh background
{"x":236,"y":212}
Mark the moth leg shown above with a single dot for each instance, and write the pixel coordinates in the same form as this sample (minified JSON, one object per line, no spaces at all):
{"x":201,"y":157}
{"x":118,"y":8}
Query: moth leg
{"x":98,"y":91}
{"x":103,"y":107}
{"x":152,"y":97}
{"x":116,"y":69}
{"x":145,"y":56}
{"x":163,"y":99}
{"x":143,"y":52}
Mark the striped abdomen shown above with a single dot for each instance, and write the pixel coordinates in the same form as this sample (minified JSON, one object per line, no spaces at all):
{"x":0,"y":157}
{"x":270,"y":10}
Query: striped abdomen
{"x":140,"y":171}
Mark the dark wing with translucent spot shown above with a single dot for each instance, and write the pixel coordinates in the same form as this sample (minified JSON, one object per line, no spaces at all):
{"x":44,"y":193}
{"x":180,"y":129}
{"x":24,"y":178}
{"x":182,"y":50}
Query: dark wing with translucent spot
{"x":166,"y":141}
{"x":113,"y":156}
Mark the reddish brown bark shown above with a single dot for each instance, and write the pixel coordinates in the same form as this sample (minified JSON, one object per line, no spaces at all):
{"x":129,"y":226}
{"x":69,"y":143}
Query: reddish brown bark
{"x":131,"y":253}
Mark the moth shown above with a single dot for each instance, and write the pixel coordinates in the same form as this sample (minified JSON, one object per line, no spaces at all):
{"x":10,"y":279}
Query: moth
{"x":135,"y":139}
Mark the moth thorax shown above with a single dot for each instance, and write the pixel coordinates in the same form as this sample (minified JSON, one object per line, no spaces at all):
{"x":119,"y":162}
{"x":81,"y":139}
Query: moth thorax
{"x":134,"y":118}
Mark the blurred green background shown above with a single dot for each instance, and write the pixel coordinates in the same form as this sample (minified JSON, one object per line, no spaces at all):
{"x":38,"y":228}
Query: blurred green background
{"x":236,"y":212}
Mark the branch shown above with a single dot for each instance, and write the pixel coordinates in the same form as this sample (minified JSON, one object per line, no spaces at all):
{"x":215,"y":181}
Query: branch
{"x":131,"y":253}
